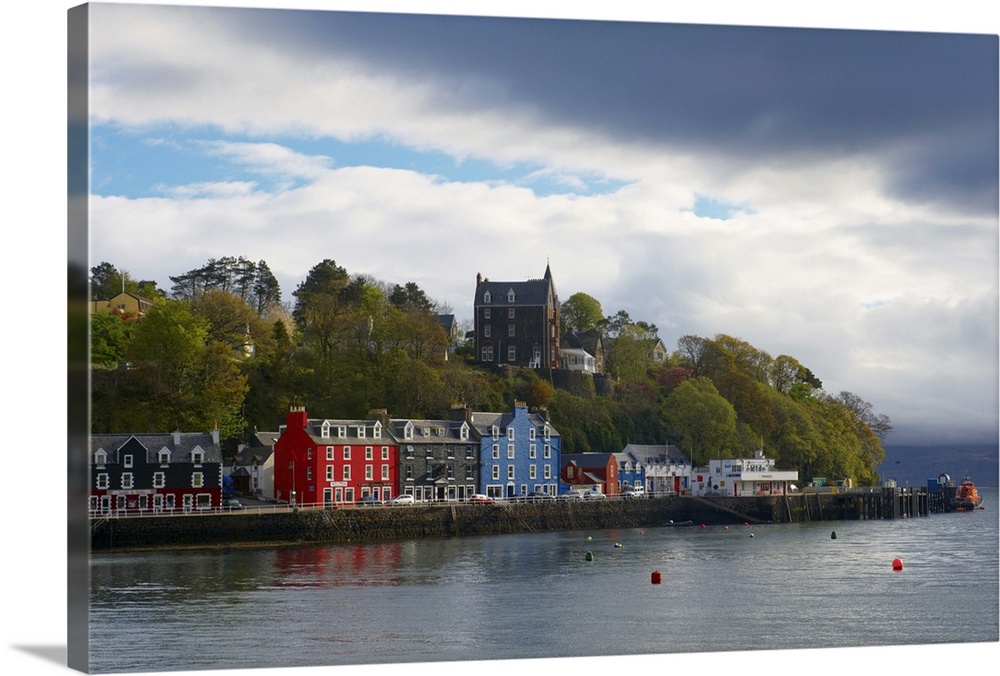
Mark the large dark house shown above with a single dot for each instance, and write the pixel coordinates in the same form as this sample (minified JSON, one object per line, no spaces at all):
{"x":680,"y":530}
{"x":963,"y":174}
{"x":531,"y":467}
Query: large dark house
{"x":517,"y":323}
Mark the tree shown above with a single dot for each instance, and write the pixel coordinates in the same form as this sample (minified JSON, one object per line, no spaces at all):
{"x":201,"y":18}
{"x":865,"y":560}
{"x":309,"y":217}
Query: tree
{"x":266,"y":291}
{"x":581,"y":312}
{"x":109,"y":334}
{"x":702,"y":419}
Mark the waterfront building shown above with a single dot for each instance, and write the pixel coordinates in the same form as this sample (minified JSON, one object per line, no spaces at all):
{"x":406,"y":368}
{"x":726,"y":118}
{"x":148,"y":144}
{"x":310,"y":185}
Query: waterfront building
{"x":519,"y":452}
{"x":438,"y":459}
{"x":152,"y":473}
{"x":631,"y":471}
{"x":665,"y":467}
{"x":246,"y":468}
{"x":517,"y":323}
{"x":589,"y":471}
{"x":329,"y":462}
{"x":743,"y":476}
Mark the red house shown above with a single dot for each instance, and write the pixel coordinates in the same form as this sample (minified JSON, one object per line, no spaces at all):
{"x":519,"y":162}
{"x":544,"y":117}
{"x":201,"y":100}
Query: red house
{"x":587,"y":470}
{"x":331,"y":462}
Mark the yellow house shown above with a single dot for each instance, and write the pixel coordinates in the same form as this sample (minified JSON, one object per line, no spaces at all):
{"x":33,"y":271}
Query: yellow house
{"x":125,"y":302}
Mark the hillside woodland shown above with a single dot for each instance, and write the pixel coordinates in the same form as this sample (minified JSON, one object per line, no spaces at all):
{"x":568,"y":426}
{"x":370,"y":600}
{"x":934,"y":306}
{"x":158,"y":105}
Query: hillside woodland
{"x":220,"y":349}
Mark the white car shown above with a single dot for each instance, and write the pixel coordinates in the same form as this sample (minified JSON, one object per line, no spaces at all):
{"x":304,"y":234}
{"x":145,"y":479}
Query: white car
{"x":404,"y":499}
{"x":594,"y":494}
{"x":633,"y":492}
{"x":571,"y":495}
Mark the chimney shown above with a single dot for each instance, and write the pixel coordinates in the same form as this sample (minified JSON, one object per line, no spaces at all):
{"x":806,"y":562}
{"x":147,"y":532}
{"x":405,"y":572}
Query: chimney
{"x":479,"y":279}
{"x":296,"y":418}
{"x":460,"y":413}
{"x":177,"y":437}
{"x":215,"y":434}
{"x":380,"y":414}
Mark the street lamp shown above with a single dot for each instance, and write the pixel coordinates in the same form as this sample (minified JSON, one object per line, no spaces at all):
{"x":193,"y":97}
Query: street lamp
{"x":291,"y":465}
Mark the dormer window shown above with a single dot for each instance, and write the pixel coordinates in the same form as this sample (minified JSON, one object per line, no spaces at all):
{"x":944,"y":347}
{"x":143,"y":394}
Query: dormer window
{"x":463,"y":433}
{"x":427,"y":431}
{"x":197,"y":457}
{"x":511,"y":298}
{"x":496,"y":431}
{"x":377,"y":430}
{"x":361,"y":431}
{"x":325,"y":429}
{"x":408,"y":431}
{"x":100,"y":458}
{"x":342,"y":432}
{"x":165,"y":457}
{"x":510,"y":434}
{"x":487,"y":298}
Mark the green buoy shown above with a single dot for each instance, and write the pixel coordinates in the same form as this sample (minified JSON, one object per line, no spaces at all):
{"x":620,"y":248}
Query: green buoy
{"x":833,"y":535}
{"x":590,"y":556}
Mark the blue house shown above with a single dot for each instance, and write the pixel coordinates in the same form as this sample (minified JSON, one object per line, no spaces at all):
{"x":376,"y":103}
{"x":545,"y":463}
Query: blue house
{"x":631,"y":471}
{"x":519,"y":453}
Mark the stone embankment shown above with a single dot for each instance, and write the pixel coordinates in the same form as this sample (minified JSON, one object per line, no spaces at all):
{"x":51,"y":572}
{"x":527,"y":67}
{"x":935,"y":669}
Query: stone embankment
{"x":447,"y":520}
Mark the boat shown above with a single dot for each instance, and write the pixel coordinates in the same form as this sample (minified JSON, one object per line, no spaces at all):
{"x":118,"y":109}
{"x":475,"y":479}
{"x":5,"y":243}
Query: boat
{"x":672,"y":523}
{"x":966,"y":498}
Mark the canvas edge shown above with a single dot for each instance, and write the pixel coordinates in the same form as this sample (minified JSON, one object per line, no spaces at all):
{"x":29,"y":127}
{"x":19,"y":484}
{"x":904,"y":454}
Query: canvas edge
{"x":78,"y":348}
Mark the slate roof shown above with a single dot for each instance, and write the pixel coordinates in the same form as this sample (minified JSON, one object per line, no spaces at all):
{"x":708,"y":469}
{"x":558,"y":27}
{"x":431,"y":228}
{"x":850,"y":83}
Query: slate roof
{"x":530,"y":292}
{"x":154,"y":443}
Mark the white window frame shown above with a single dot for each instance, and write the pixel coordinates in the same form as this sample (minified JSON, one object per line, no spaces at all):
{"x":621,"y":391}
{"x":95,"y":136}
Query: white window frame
{"x":197,"y":479}
{"x":128,"y":480}
{"x":159,"y":479}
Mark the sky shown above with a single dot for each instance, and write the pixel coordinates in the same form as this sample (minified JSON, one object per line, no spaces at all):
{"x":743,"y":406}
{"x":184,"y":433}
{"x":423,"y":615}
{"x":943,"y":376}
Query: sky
{"x":824,"y":193}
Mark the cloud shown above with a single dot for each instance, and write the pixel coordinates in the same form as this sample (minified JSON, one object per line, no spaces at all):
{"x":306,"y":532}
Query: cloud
{"x":854,"y":172}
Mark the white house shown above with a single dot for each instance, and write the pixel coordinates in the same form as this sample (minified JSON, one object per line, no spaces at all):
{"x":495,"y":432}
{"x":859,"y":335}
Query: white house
{"x":667,"y":470}
{"x":742,"y":476}
{"x":574,"y":359}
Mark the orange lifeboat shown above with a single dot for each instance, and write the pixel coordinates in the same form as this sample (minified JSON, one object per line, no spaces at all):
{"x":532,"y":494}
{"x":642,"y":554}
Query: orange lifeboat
{"x":966,"y":498}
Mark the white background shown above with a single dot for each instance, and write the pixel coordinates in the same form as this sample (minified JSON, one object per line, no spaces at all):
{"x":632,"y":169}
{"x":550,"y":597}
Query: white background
{"x":33,"y":374}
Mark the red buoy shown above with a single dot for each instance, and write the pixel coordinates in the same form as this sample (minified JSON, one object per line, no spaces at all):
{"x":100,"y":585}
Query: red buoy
{"x":702,"y":525}
{"x":897,"y":564}
{"x":655,"y":577}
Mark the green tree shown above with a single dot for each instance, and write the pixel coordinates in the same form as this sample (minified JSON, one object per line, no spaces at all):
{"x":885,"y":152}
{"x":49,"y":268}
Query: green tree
{"x":581,"y":312}
{"x":702,"y":419}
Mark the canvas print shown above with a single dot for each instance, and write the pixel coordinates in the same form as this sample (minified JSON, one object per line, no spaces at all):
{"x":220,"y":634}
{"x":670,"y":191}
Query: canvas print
{"x":427,"y":338}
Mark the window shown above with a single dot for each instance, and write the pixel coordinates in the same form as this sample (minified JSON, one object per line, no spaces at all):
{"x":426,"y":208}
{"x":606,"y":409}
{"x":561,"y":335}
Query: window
{"x":468,"y":473}
{"x":409,"y":472}
{"x":342,"y":432}
{"x":510,"y":315}
{"x":487,"y":298}
{"x":377,"y":430}
{"x":309,"y":454}
{"x":347,"y":473}
{"x":511,"y":353}
{"x":532,"y":451}
{"x":496,"y":472}
{"x":486,"y":313}
{"x":329,"y":452}
{"x":510,"y":451}
{"x":510,"y":434}
{"x":197,"y":457}
{"x":127,"y":481}
{"x":487,"y":353}
{"x":347,"y":452}
{"x":548,"y":471}
{"x":488,"y":331}
{"x":451,"y":472}
{"x":368,"y":472}
{"x":127,"y":462}
{"x":102,"y":481}
{"x":309,"y":473}
{"x":100,"y":458}
{"x":385,"y":452}
{"x":361,"y":431}
{"x":368,"y":453}
{"x":510,"y":330}
{"x":510,"y":472}
{"x":548,"y":451}
{"x":159,"y":479}
{"x":463,"y":433}
{"x":532,"y":434}
{"x":329,"y":472}
{"x":511,"y":297}
{"x":532,"y":472}
{"x":197,"y":480}
{"x":204,"y":501}
{"x":325,"y":429}
{"x":171,"y":501}
{"x":385,"y":472}
{"x":496,"y":451}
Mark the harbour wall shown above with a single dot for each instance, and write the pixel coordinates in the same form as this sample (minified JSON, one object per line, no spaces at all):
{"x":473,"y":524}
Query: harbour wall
{"x":286,"y":526}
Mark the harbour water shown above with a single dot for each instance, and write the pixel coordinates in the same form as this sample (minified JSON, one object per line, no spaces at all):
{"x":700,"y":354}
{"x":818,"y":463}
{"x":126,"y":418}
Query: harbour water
{"x":537,"y":595}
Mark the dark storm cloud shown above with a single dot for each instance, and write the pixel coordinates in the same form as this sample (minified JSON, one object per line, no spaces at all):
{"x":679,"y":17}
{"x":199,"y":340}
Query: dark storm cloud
{"x":748,"y":94}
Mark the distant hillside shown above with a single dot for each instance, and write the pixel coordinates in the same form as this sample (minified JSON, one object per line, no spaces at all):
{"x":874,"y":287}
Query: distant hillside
{"x":916,"y":464}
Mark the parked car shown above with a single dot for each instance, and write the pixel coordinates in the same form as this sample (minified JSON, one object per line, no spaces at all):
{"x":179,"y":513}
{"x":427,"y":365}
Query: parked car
{"x":369,"y":501}
{"x":539,"y":496}
{"x":594,"y":494}
{"x":633,"y":492}
{"x":572,"y":495}
{"x":480,"y":499}
{"x":404,"y":499}
{"x":232,"y":503}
